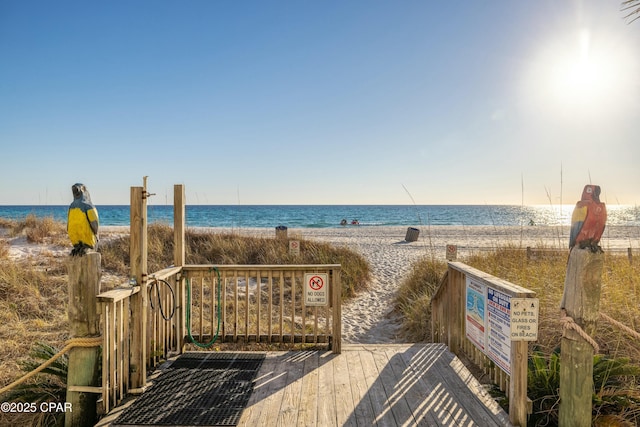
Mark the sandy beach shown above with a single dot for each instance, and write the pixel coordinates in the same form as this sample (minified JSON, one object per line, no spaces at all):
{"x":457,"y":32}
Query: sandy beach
{"x":369,"y":317}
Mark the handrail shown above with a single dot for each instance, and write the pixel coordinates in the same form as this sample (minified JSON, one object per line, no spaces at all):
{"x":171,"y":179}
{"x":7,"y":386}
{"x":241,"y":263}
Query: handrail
{"x":118,"y":294}
{"x":449,"y":326}
{"x":165,"y":273}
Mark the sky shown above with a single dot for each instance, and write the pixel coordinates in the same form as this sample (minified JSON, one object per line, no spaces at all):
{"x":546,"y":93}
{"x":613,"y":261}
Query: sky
{"x":319,"y":102}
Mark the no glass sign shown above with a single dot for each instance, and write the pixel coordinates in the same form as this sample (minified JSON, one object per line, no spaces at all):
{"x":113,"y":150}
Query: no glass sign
{"x":316,"y":289}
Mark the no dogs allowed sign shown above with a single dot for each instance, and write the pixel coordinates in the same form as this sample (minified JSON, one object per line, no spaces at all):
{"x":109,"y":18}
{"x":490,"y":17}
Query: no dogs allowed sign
{"x":316,"y":289}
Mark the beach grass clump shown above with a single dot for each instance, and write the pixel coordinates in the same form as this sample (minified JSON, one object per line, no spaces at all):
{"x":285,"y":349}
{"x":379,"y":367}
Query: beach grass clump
{"x":414,"y":297}
{"x":4,"y":249}
{"x":205,"y":247}
{"x":32,"y":309}
{"x":48,"y":386}
{"x":44,"y":228}
{"x":37,"y":229}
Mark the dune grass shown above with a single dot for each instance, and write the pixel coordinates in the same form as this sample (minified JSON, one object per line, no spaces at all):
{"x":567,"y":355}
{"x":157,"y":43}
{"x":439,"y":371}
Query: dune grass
{"x":37,"y":230}
{"x":210,"y":247}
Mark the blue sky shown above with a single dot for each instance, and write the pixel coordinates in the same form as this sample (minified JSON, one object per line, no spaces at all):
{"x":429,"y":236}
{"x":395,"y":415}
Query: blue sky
{"x":319,"y":102}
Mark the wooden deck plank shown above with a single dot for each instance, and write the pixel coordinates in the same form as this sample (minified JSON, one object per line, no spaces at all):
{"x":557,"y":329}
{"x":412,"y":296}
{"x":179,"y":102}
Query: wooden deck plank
{"x":308,"y":410}
{"x":447,"y":408}
{"x":426,"y":363}
{"x":376,"y":392}
{"x":459,"y":404}
{"x":326,"y":392}
{"x":387,"y":377}
{"x":460,"y":400}
{"x":271,"y":378}
{"x":368,"y":385}
{"x":291,"y":398}
{"x":343,"y":393}
{"x":490,"y":407}
{"x":363,"y":413}
{"x":410,"y":384}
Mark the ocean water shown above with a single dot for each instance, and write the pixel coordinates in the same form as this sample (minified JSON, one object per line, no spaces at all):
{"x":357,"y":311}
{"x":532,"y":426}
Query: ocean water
{"x":321,"y":216}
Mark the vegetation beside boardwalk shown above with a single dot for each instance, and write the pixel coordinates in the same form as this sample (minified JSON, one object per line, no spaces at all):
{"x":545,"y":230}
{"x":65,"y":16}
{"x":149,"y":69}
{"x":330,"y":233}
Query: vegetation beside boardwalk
{"x":617,"y":385}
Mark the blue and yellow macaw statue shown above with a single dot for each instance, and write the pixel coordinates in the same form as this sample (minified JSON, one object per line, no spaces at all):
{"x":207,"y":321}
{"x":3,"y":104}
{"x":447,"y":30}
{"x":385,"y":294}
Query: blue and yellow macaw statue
{"x":82,"y":221}
{"x":588,"y":220}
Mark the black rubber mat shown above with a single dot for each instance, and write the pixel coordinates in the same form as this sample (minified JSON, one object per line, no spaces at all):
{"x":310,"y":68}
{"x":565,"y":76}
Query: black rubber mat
{"x":198,"y":389}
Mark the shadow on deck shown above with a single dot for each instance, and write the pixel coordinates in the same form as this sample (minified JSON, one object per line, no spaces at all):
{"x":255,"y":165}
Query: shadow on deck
{"x":381,"y":385}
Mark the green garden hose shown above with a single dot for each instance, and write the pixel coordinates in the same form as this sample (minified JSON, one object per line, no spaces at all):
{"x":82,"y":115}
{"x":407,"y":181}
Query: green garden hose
{"x":219,"y":292}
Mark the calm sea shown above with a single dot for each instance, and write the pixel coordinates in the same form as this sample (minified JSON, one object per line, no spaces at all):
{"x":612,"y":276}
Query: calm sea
{"x":308,"y":216}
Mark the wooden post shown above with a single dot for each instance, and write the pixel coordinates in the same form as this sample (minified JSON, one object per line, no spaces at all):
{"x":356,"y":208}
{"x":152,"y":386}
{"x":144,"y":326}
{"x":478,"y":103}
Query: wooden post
{"x":84,"y":321}
{"x":179,"y":260}
{"x":455,"y":298}
{"x":336,"y":345}
{"x":518,"y":408}
{"x":581,"y":300}
{"x":139,"y":303}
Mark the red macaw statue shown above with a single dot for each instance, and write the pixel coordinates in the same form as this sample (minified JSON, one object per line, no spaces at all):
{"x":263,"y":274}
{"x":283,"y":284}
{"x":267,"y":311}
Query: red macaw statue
{"x":588,"y":220}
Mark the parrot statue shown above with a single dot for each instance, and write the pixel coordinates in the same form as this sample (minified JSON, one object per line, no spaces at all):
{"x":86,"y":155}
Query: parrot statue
{"x":82,"y":221}
{"x":588,"y":220}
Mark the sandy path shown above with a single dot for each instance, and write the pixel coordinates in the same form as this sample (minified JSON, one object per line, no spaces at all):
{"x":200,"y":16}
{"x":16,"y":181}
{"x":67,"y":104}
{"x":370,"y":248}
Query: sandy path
{"x":370,"y":317}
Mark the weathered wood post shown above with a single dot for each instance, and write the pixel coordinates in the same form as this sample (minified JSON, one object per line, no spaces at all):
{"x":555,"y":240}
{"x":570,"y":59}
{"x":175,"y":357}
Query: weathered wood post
{"x":518,"y":408}
{"x":139,"y":301}
{"x":84,"y":322}
{"x":581,"y":300}
{"x":336,"y":345}
{"x":179,"y":259}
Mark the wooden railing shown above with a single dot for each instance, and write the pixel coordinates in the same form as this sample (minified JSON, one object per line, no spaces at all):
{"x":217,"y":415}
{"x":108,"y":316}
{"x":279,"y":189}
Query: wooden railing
{"x":257,"y":303}
{"x":115,"y":310}
{"x":120,"y":312}
{"x":261,"y":303}
{"x":144,"y":322}
{"x":449,"y":320}
{"x":165,"y":314}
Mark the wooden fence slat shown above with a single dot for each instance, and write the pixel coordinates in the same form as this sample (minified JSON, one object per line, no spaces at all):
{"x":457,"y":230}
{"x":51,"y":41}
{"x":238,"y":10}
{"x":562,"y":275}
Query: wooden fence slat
{"x":258,"y":303}
{"x":281,"y":285}
{"x":270,"y":326}
{"x":106,"y":334}
{"x":246,"y":307}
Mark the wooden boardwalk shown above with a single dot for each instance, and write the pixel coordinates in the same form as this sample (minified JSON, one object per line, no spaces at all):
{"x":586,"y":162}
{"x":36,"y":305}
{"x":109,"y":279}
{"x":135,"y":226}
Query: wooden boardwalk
{"x":370,"y":385}
{"x":367,"y":385}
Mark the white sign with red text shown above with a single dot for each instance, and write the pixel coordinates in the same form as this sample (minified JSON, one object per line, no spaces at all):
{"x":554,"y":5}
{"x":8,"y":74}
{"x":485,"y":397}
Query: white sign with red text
{"x":316,"y":289}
